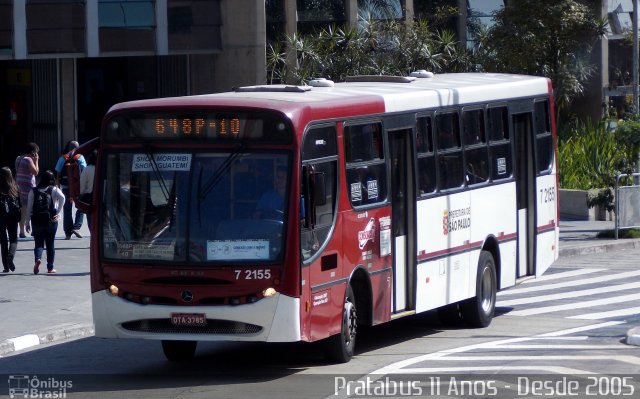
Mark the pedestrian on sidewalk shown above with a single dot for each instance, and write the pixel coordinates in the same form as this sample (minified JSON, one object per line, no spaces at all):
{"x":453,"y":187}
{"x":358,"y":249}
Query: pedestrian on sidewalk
{"x":9,"y":218}
{"x":46,"y":202}
{"x":68,"y":158}
{"x":26,"y":171}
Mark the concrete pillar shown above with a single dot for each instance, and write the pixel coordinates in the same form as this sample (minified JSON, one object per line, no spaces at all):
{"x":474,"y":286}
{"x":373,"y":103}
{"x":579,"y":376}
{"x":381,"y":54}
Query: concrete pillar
{"x":462,"y":22}
{"x":291,"y":27}
{"x":409,"y":13}
{"x":68,"y":124}
{"x":243,"y":58}
{"x":351,"y":9}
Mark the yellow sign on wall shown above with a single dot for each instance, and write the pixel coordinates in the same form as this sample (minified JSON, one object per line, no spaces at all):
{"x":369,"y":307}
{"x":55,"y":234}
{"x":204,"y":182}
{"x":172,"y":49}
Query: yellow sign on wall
{"x":19,"y":77}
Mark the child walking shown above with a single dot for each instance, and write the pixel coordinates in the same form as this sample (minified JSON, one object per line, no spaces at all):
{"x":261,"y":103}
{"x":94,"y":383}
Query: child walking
{"x":46,"y":202}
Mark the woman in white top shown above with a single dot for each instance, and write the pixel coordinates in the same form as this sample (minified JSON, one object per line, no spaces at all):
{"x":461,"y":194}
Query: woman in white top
{"x":44,"y":208}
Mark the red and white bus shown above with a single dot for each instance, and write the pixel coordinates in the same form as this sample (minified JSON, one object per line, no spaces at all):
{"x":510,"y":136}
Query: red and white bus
{"x":300,"y":213}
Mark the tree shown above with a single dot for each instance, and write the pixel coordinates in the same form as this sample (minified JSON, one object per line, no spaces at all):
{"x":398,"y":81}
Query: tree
{"x":551,"y":38}
{"x":375,"y":47}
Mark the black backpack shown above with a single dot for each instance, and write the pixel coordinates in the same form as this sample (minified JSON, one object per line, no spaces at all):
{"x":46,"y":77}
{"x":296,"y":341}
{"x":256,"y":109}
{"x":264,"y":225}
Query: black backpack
{"x":9,"y":207}
{"x":43,"y":209}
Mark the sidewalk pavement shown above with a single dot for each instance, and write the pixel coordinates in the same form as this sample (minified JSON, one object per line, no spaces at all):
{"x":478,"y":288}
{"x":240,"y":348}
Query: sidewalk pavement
{"x":47,"y":308}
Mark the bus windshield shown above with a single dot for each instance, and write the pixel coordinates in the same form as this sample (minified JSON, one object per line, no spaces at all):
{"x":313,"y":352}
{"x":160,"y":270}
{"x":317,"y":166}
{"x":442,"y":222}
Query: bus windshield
{"x":195,"y":207}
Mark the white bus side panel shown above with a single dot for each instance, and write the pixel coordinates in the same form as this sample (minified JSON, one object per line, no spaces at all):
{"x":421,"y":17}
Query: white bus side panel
{"x":547,"y":222}
{"x":494,"y":213}
{"x":450,"y":233}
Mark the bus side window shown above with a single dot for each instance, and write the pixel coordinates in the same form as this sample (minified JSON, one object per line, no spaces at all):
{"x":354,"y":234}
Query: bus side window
{"x":544,"y":139}
{"x":476,"y":155}
{"x":318,"y":190}
{"x":366,"y":171}
{"x":449,"y":155}
{"x":426,"y":157}
{"x":499,"y":143}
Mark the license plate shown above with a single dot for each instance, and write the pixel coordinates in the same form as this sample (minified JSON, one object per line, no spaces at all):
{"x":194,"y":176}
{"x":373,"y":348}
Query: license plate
{"x":188,"y":319}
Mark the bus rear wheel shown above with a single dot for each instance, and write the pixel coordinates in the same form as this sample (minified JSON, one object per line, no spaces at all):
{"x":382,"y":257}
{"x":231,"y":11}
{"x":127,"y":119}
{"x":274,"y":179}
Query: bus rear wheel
{"x":339,"y":348}
{"x":179,"y":351}
{"x":479,"y":311}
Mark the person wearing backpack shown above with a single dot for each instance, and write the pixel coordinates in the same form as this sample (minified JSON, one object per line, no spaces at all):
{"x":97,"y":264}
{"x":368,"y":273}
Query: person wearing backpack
{"x":9,"y":218}
{"x":46,"y":202}
{"x":67,"y":160}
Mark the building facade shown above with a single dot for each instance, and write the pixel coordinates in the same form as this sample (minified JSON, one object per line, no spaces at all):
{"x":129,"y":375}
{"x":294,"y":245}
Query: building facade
{"x":63,"y":63}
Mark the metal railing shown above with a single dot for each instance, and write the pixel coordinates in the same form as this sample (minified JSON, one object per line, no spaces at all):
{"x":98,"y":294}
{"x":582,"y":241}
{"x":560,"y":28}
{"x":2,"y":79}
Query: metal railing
{"x":627,"y":199}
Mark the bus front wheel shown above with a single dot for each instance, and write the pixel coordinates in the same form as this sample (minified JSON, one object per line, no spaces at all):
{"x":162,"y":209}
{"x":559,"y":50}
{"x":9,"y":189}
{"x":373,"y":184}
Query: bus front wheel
{"x":179,"y":351}
{"x":339,"y":348}
{"x":479,"y":311}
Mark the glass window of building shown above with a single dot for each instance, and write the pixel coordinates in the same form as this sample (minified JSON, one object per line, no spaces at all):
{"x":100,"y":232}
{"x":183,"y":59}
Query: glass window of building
{"x":55,"y":26}
{"x":127,"y":25}
{"x":276,"y":20}
{"x":194,"y":25}
{"x":6,"y":27}
{"x":480,"y":15}
{"x":317,"y":14}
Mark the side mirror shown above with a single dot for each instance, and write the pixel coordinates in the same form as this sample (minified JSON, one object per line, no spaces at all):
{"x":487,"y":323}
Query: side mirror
{"x":73,"y":174}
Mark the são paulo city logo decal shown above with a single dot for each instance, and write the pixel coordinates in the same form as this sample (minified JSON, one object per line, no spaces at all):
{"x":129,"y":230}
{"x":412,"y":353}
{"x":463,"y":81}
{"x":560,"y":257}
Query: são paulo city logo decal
{"x":445,"y":222}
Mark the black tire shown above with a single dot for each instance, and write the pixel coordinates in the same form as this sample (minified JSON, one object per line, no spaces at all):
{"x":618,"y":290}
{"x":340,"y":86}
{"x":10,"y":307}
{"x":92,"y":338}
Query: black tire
{"x":479,"y":310}
{"x":339,"y":348}
{"x":179,"y":351}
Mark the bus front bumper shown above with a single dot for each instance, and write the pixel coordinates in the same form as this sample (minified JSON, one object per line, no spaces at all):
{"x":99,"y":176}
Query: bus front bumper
{"x":273,"y":319}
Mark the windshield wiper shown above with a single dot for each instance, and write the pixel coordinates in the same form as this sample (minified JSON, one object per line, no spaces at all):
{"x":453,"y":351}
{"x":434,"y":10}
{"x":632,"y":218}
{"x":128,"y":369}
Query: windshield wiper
{"x":213,"y":181}
{"x":157,"y":173}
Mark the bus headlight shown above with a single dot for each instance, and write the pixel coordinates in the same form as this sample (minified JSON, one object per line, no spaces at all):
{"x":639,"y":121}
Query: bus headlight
{"x":269,"y":292}
{"x":113,"y":290}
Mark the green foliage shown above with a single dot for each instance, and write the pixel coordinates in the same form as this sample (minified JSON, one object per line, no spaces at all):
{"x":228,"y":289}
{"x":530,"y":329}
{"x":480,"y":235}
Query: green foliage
{"x":588,"y":156}
{"x":551,"y":38}
{"x":376,"y":47}
{"x":622,"y":233}
{"x":628,"y":135}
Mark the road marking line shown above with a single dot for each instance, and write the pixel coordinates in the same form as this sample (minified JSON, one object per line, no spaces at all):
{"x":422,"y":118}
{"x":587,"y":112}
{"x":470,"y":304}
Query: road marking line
{"x":571,"y":294}
{"x":571,"y":306}
{"x":491,"y":344}
{"x":593,"y":280}
{"x":580,"y":329}
{"x":609,"y":314}
{"x":624,"y":359}
{"x":400,"y":366}
{"x":555,"y":276}
{"x":562,"y":347}
{"x":24,"y":342}
{"x":553,"y":369}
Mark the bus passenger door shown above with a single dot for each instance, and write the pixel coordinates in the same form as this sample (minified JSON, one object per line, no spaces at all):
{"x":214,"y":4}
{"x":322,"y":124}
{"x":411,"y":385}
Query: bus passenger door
{"x":402,"y":219}
{"x":525,"y":192}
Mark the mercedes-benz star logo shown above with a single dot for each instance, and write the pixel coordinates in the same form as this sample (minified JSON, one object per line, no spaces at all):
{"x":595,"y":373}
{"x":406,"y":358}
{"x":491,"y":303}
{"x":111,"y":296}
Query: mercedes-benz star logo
{"x":187,"y":296}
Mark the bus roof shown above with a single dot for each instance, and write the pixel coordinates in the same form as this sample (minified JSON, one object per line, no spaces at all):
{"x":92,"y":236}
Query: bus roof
{"x":440,"y":90}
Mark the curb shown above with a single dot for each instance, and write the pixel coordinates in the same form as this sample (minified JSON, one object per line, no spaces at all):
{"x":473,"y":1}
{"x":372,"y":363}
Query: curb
{"x":633,"y":336}
{"x":59,"y":333}
{"x":598,"y":248}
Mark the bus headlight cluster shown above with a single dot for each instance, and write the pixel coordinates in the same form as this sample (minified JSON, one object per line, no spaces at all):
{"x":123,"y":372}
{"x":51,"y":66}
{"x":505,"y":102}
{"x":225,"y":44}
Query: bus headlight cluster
{"x":269,"y":292}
